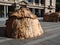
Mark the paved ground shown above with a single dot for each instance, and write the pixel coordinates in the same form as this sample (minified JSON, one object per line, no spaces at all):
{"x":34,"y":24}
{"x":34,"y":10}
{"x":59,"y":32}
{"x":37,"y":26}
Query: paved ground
{"x":50,"y":37}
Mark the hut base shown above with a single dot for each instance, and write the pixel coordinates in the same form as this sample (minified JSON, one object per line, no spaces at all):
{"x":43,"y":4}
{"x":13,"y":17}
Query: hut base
{"x":23,"y":28}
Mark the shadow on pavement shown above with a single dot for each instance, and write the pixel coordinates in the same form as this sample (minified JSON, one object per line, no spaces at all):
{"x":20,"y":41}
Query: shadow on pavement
{"x":2,"y":31}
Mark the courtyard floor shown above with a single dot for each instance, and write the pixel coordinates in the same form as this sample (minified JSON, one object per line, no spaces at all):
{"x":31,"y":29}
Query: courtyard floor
{"x":51,"y":35}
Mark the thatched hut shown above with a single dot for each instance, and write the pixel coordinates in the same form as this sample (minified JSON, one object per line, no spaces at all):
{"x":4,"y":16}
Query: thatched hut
{"x":23,"y":24}
{"x":51,"y":17}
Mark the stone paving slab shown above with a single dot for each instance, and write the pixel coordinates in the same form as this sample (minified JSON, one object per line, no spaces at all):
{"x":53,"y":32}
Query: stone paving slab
{"x":53,"y":41}
{"x":41,"y":39}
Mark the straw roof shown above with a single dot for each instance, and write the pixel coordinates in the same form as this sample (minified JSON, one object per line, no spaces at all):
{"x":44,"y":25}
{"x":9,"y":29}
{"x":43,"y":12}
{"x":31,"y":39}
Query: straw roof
{"x":23,"y":13}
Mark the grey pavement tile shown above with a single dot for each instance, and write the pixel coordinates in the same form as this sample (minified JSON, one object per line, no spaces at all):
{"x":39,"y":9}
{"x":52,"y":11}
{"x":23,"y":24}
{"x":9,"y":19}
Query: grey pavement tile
{"x":53,"y":41}
{"x":12,"y":42}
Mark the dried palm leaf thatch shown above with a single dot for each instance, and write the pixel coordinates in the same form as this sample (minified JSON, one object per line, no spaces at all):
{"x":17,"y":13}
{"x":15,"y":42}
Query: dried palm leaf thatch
{"x":23,"y":13}
{"x":46,"y":17}
{"x":54,"y":17}
{"x":23,"y":24}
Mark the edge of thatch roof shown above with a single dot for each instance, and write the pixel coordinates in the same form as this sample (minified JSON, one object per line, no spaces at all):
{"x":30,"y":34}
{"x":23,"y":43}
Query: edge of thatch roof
{"x":22,"y":15}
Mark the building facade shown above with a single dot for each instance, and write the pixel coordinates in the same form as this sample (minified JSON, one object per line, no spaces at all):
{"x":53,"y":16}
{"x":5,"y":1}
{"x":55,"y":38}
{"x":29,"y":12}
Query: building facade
{"x":39,"y":7}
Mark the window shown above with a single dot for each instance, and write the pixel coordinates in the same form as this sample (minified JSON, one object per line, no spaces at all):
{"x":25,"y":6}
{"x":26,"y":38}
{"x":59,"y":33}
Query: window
{"x":5,"y":11}
{"x":42,"y":1}
{"x":30,"y":0}
{"x":50,"y":2}
{"x":10,"y":9}
{"x":36,"y":1}
{"x":42,"y":12}
{"x":36,"y":12}
{"x":30,"y":9}
{"x":39,"y":13}
{"x":1,"y":11}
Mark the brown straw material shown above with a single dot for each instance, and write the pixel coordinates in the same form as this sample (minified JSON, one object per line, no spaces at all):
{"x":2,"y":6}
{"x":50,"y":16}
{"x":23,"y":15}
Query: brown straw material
{"x":24,"y":13}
